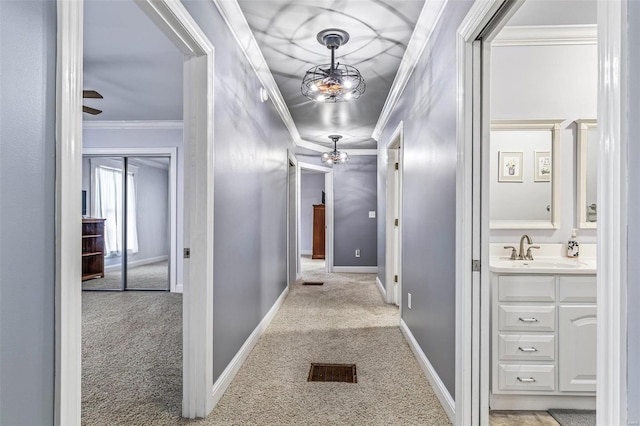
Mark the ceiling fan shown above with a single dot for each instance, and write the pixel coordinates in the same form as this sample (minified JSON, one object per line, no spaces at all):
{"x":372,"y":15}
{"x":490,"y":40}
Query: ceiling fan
{"x":91,"y":94}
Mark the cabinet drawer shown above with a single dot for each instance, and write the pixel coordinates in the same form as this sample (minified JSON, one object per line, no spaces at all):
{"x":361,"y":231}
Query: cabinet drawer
{"x":526,"y":318}
{"x":526,"y":377}
{"x":574,"y":289}
{"x":526,"y":288}
{"x":526,"y":347}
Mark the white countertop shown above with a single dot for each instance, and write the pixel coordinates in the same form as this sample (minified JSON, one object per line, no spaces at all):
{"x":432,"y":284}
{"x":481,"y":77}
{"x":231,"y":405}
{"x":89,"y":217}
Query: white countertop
{"x":543,"y":265}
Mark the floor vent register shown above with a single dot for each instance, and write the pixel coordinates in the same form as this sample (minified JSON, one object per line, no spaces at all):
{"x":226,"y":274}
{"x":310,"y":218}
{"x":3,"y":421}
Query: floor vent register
{"x":345,"y":373}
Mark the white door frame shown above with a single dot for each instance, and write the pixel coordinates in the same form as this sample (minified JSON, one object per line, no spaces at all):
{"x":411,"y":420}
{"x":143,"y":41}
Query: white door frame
{"x":611,"y":401}
{"x":170,"y":152}
{"x":328,"y":189}
{"x":292,"y":160}
{"x":174,"y":20}
{"x":393,"y":250}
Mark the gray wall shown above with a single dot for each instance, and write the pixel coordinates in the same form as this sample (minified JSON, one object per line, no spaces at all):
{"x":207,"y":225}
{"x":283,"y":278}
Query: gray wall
{"x":250,"y":193}
{"x":354,"y":188}
{"x":547,"y":82}
{"x":633,"y":288}
{"x":428,"y":108}
{"x":311,"y":187}
{"x":27,"y":211}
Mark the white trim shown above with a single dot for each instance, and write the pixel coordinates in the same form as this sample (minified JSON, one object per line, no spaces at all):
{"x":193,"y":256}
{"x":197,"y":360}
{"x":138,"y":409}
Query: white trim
{"x":122,"y":125}
{"x":356,"y":269}
{"x":135,"y":263}
{"x":612,"y":254}
{"x":427,"y":21}
{"x":68,"y":285}
{"x":441,"y":391}
{"x":292,"y":252}
{"x":583,"y":127}
{"x":172,"y":153}
{"x":546,"y":35}
{"x":223,"y":382}
{"x":396,"y":142}
{"x":329,"y":209}
{"x":383,"y":292}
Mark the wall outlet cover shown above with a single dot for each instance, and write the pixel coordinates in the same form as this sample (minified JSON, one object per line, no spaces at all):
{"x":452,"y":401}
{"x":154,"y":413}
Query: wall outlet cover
{"x":409,"y":300}
{"x":372,"y":214}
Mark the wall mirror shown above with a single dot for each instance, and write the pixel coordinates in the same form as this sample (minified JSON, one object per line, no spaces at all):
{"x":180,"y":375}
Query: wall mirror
{"x":524,"y":190}
{"x":587,"y":173}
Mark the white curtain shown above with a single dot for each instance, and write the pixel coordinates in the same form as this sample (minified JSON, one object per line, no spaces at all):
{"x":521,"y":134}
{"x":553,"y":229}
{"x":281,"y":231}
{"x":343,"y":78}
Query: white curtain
{"x":107,"y":203}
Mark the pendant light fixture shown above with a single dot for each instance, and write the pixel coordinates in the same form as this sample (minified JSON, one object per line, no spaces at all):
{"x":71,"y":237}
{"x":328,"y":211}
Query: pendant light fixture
{"x":335,"y":156}
{"x":334,"y":82}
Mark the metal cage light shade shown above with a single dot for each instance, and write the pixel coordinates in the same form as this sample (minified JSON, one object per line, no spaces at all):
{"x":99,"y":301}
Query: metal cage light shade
{"x":333,"y":82}
{"x":335,"y":156}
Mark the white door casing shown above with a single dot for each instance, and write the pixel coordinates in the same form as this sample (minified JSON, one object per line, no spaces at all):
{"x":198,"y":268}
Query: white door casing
{"x":393,"y":249}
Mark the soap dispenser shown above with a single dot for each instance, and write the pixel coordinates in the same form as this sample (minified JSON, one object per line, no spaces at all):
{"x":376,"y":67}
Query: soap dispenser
{"x":573,"y":246}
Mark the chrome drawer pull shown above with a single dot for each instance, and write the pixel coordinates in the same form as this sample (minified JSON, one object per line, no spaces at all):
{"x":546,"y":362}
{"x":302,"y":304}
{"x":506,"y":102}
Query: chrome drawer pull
{"x":531,"y":349}
{"x":526,"y":379}
{"x":528,"y":319}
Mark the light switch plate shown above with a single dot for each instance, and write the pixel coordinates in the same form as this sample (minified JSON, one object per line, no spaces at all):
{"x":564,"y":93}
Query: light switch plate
{"x":372,"y":214}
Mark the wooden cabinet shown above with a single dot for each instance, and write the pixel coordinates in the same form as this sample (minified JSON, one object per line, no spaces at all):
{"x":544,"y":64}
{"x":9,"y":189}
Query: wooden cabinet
{"x":543,"y":341}
{"x":92,"y":248}
{"x":318,"y":232}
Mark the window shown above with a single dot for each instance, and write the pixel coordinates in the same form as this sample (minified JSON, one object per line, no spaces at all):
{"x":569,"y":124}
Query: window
{"x":108,"y":203}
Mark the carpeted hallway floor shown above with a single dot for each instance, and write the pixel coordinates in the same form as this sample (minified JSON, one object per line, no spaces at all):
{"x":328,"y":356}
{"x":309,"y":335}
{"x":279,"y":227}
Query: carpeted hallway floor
{"x":343,"y":321}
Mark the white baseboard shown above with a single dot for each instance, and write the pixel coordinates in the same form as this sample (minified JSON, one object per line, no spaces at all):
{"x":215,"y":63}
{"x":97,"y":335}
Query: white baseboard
{"x":221,"y":385}
{"x":179,"y":289}
{"x":306,"y":252}
{"x":137,"y":263}
{"x":438,"y":386}
{"x":383,"y":291}
{"x":356,"y":269}
{"x":541,"y":402}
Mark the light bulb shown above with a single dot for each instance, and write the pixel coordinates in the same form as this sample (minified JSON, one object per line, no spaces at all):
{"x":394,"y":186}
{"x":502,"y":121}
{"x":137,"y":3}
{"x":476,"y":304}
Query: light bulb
{"x":320,"y":98}
{"x":348,"y":84}
{"x":314,"y":88}
{"x":348,"y":96}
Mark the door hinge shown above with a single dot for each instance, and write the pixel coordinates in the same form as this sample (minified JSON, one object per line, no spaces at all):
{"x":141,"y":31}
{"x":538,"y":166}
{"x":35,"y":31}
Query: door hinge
{"x":397,"y":166}
{"x":396,"y":222}
{"x":187,"y":253}
{"x":395,"y":278}
{"x":475,"y":265}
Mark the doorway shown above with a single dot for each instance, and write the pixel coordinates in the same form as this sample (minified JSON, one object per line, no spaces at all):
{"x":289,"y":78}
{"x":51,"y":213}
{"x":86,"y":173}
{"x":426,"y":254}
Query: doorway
{"x":393,"y":250}
{"x":292,"y":211}
{"x":314,"y":216}
{"x":137,"y":217}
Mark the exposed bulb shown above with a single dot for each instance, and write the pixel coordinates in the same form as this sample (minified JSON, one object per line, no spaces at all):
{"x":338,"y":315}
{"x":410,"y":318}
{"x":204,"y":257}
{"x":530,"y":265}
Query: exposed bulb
{"x":320,"y":98}
{"x":348,"y":96}
{"x":314,"y":88}
{"x":348,"y":84}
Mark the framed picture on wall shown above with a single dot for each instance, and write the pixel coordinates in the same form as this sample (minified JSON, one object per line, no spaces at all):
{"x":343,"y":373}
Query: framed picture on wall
{"x":542,"y":166}
{"x":510,"y":166}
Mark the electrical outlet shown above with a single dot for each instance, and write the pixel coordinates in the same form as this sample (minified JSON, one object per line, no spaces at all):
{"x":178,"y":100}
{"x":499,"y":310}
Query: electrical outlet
{"x":357,"y":252}
{"x":372,"y":214}
{"x":409,"y":300}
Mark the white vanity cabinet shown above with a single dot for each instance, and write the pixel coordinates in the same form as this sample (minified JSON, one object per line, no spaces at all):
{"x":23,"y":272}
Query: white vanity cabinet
{"x":543,"y":340}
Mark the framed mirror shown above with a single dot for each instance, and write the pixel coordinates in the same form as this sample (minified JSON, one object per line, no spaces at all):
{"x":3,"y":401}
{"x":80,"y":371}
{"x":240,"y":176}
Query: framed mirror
{"x":524,"y":190}
{"x":587,"y":173}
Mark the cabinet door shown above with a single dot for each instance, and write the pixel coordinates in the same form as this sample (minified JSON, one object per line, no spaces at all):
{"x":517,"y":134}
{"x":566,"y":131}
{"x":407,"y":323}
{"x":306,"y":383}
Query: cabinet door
{"x":577,"y":348}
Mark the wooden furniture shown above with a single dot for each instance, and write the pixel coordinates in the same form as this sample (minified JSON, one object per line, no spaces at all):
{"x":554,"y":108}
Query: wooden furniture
{"x":318,"y":232}
{"x":543,"y":341}
{"x":92,"y":248}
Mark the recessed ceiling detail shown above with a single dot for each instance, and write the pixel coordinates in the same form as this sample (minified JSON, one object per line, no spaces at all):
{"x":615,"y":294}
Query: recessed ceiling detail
{"x":379,"y":32}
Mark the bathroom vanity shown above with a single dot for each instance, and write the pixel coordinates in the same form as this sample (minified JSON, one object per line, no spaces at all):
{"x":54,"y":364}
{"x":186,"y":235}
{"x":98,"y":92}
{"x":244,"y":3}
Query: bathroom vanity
{"x":543,"y":334}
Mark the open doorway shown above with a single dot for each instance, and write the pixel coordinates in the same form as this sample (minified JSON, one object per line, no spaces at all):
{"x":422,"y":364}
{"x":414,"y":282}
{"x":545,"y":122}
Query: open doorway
{"x":534,"y":353}
{"x":394,"y":218}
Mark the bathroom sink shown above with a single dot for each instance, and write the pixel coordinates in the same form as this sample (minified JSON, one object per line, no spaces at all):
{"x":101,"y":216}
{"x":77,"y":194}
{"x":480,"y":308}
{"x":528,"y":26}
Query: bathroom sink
{"x":549,"y":265}
{"x":546,"y":264}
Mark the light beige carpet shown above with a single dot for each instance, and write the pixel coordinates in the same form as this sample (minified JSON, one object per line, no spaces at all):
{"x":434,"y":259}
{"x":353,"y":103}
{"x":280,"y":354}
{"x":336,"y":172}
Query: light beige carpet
{"x":132,"y":356}
{"x":152,"y":276}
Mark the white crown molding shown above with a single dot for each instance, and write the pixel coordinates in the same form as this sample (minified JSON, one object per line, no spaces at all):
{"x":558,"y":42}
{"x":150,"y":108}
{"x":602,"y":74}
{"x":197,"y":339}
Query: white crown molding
{"x":146,"y":124}
{"x":547,"y":35}
{"x":427,"y":21}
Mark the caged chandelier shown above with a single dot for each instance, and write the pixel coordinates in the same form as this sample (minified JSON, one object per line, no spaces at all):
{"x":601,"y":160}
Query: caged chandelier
{"x":333,"y":82}
{"x":335,"y":156}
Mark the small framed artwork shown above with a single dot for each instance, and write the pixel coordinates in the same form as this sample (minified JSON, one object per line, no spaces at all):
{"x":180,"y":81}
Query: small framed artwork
{"x":543,"y":166}
{"x":510,"y":166}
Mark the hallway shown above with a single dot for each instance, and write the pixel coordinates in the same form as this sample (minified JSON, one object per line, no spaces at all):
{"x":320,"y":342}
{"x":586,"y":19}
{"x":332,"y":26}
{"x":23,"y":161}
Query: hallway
{"x":342,"y":321}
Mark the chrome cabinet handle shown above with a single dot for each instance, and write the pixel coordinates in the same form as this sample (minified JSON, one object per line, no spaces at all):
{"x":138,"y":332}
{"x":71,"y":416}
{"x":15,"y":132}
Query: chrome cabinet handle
{"x":526,"y":379}
{"x":531,"y":349}
{"x":528,"y":319}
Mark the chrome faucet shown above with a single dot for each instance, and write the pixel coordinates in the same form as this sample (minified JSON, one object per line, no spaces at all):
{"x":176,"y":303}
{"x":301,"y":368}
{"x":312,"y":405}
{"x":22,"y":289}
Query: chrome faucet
{"x":526,"y":256}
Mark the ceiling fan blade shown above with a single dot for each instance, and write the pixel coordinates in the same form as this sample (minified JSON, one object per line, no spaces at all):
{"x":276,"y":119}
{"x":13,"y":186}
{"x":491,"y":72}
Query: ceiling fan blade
{"x":90,"y":110}
{"x":91,"y":94}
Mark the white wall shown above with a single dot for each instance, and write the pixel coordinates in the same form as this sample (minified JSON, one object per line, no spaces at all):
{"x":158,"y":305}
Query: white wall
{"x":547,"y":82}
{"x":311,"y":187}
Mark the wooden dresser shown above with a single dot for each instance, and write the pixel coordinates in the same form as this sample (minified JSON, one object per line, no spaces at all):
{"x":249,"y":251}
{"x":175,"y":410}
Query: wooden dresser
{"x":92,"y":248}
{"x":318,"y":232}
